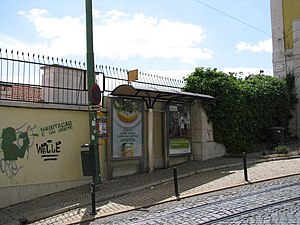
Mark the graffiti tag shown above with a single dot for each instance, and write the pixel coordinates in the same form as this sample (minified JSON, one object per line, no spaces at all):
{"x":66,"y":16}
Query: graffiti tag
{"x":10,"y":168}
{"x":57,"y":128}
{"x":49,"y":150}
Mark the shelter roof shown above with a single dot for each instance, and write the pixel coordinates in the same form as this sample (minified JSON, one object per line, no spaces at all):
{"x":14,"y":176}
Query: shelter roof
{"x":155,"y":94}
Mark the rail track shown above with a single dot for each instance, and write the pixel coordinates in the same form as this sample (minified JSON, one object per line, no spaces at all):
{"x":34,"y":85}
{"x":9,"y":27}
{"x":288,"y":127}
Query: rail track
{"x":222,"y":207}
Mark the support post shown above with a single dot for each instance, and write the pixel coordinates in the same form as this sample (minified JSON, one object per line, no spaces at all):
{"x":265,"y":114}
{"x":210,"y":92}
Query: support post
{"x":165,"y":141}
{"x":175,"y":182}
{"x":93,"y":198}
{"x":91,"y":81}
{"x":150,"y":140}
{"x":245,"y":166}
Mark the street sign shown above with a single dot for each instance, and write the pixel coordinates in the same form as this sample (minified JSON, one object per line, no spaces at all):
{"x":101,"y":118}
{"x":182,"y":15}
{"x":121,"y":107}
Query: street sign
{"x":95,"y":93}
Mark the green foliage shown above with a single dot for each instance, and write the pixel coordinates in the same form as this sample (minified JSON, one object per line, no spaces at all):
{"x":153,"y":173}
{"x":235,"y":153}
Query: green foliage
{"x":243,"y":110}
{"x":282,"y":149}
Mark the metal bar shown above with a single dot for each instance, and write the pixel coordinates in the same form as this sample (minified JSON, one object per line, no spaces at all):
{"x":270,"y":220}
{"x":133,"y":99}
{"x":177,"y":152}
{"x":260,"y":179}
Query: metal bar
{"x":175,"y":182}
{"x":91,"y":81}
{"x":20,"y":71}
{"x":93,"y":198}
{"x":245,"y":166}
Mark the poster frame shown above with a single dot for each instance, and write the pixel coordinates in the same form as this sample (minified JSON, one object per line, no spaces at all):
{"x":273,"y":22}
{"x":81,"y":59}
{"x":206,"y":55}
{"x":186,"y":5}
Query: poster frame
{"x":113,"y":99}
{"x":176,"y":105}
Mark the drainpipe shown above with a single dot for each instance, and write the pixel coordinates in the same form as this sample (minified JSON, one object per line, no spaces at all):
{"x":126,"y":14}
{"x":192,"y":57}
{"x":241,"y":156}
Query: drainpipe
{"x":150,"y":140}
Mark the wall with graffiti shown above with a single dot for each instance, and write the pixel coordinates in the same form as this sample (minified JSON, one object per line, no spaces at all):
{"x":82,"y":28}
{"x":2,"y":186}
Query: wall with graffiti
{"x":41,"y":145}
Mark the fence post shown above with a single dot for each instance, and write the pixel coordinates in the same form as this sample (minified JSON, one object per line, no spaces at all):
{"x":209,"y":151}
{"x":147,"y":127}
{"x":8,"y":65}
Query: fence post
{"x":93,"y":198}
{"x":245,"y":166}
{"x":175,"y":182}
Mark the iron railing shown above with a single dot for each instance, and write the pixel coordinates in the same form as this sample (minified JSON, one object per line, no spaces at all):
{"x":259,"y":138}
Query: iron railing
{"x":37,"y":78}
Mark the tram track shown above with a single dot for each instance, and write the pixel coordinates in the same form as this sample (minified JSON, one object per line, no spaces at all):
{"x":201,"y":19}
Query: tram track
{"x":266,"y":202}
{"x":219,"y":207}
{"x":251,"y":210}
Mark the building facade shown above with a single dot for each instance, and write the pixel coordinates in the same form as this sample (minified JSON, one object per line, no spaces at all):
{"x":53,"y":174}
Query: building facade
{"x":285,"y":17}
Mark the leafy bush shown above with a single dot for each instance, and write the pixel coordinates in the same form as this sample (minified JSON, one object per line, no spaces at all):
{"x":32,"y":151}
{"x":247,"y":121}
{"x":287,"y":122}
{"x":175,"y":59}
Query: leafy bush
{"x":282,"y":149}
{"x":243,"y":110}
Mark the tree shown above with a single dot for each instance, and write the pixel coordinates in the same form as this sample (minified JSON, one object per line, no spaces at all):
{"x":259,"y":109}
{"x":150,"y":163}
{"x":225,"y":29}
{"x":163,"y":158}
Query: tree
{"x":243,"y":110}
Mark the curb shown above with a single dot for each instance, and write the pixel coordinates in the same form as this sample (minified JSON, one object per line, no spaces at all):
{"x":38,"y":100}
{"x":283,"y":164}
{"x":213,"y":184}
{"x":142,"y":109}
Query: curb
{"x":45,"y":215}
{"x":174,"y":198}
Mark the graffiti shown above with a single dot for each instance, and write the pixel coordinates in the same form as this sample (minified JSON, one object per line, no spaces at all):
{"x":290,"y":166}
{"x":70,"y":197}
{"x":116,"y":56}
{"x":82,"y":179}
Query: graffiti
{"x":48,"y":150}
{"x":11,"y":150}
{"x":10,"y":168}
{"x":57,"y":128}
{"x":17,"y":142}
{"x":32,"y":132}
{"x":14,"y":144}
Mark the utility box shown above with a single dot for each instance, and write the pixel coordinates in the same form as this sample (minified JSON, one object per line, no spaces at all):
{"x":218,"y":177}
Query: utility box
{"x":277,"y":135}
{"x":87,"y":162}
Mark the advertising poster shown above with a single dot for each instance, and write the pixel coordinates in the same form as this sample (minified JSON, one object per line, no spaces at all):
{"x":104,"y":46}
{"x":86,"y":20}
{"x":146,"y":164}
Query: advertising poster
{"x":102,"y":127}
{"x":127,"y":124}
{"x":179,"y":120}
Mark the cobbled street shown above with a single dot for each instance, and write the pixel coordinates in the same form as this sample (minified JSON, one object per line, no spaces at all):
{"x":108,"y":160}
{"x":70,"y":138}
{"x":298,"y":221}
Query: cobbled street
{"x":271,"y":202}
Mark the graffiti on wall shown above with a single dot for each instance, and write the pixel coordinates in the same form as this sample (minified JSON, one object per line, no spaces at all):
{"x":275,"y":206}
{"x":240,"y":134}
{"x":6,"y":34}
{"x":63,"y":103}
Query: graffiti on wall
{"x":56,"y":128}
{"x":49,"y":150}
{"x":17,"y":143}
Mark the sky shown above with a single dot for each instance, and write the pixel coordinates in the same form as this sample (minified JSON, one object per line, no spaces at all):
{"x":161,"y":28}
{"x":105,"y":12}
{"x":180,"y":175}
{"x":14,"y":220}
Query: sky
{"x":162,"y":37}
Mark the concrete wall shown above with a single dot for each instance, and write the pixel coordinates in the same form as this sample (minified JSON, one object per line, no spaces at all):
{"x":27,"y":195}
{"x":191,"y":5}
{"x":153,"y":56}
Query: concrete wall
{"x":40,"y":151}
{"x":59,"y":82}
{"x":203,"y":144}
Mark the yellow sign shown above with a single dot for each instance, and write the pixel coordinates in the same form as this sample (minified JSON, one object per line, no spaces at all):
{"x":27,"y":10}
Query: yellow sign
{"x":133,"y":75}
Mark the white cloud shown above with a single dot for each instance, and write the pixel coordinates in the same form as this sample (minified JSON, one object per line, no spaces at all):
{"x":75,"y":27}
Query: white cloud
{"x":63,"y":36}
{"x":118,"y":36}
{"x":128,"y":35}
{"x":10,"y":43}
{"x":261,"y":46}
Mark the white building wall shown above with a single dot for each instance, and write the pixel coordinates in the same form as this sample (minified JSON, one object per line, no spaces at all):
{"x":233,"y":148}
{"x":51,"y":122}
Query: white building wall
{"x":279,"y":64}
{"x":286,"y":60}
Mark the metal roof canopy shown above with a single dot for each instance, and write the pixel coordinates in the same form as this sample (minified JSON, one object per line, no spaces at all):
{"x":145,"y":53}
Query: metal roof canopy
{"x":149,"y":93}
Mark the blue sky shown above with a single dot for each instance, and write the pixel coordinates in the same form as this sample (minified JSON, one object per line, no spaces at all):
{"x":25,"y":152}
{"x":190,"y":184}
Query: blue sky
{"x":162,"y":37}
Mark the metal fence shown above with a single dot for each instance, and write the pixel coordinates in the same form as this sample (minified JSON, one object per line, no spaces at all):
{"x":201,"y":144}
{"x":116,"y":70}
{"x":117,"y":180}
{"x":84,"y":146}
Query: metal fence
{"x":37,"y":78}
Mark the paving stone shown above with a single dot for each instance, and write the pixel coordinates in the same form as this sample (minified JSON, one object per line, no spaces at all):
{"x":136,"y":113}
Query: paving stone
{"x":140,"y":192}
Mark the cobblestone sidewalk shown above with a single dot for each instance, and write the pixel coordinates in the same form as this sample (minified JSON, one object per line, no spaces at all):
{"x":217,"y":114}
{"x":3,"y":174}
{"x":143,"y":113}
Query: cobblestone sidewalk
{"x":141,"y":190}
